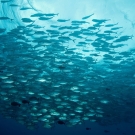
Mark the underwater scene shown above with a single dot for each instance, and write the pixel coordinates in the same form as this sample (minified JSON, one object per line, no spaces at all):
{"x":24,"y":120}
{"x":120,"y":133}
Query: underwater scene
{"x":67,"y":67}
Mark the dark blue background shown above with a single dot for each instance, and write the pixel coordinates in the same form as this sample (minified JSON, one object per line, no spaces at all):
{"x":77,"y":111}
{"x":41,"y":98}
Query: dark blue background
{"x":11,"y":127}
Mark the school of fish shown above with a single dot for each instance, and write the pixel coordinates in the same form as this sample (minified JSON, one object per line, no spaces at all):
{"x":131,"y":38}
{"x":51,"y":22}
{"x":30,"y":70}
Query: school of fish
{"x":65,"y":71}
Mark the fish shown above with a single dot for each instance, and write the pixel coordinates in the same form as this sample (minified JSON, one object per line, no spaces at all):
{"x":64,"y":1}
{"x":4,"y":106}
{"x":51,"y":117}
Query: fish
{"x":51,"y":14}
{"x":54,"y":26}
{"x":15,"y":104}
{"x":14,"y":5}
{"x":24,"y":101}
{"x":78,"y":22}
{"x":25,"y":8}
{"x":106,"y":131}
{"x":109,"y":31}
{"x":45,"y":18}
{"x":111,"y":25}
{"x":27,"y":20}
{"x":39,"y":32}
{"x":6,"y":18}
{"x":123,"y":38}
{"x":92,"y":28}
{"x":5,"y":1}
{"x":63,"y":20}
{"x":37,"y":15}
{"x":87,"y":128}
{"x":100,"y":20}
{"x":61,"y":122}
{"x":116,"y":28}
{"x":86,"y":17}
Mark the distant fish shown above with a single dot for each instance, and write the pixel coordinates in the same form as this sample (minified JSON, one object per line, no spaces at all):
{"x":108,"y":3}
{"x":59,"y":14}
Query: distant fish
{"x":51,"y":14}
{"x":61,"y":122}
{"x":123,"y":38}
{"x":106,"y":131}
{"x":13,"y":5}
{"x":116,"y":28}
{"x":87,"y":128}
{"x":92,"y":28}
{"x":100,"y":20}
{"x":111,"y":25}
{"x":79,"y":22}
{"x":86,"y":17}
{"x":39,"y":32}
{"x":61,"y":67}
{"x":24,"y":101}
{"x":27,"y":20}
{"x":5,"y":18}
{"x":107,"y":89}
{"x":37,"y":15}
{"x":45,"y":18}
{"x":15,"y":104}
{"x":109,"y":31}
{"x":25,"y":8}
{"x":5,"y":1}
{"x":63,"y":20}
{"x":54,"y":26}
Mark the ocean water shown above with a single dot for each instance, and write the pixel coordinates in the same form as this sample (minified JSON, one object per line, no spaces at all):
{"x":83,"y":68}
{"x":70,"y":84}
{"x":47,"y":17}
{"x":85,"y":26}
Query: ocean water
{"x":11,"y":127}
{"x":67,"y":67}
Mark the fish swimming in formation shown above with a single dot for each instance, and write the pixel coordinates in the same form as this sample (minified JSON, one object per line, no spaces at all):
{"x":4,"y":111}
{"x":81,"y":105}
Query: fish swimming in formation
{"x":64,"y":71}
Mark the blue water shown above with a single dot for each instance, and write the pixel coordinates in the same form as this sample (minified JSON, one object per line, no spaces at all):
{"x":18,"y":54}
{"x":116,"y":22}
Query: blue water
{"x":70,"y":62}
{"x":11,"y":127}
